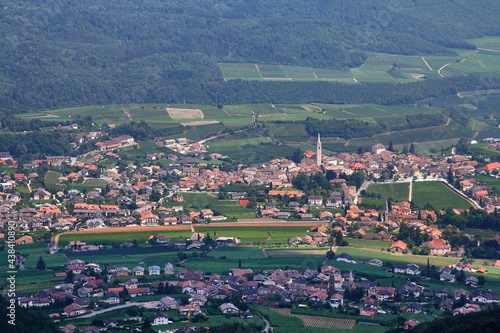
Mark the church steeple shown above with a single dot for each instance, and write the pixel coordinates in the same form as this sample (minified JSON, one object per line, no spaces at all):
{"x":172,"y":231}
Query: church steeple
{"x":318,"y":151}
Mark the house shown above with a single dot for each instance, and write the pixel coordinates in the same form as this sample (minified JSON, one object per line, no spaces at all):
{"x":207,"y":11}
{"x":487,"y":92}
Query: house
{"x":169,"y":268}
{"x":385,"y":293}
{"x":24,"y":240}
{"x":315,"y":200}
{"x":410,"y":324}
{"x":471,"y":281}
{"x":142,"y":291}
{"x":228,"y":308}
{"x":169,"y":302}
{"x":414,"y":308}
{"x":442,"y":292}
{"x":438,"y":246}
{"x":122,"y":271}
{"x":154,"y":270}
{"x":226,"y":241}
{"x":198,"y":299}
{"x":138,"y":271}
{"x":412,"y":269}
{"x":448,"y":277}
{"x":337,"y":300}
{"x":346,"y":258}
{"x":159,"y":318}
{"x":74,"y":310}
{"x":193,"y":309}
{"x":378,"y":148}
{"x":70,"y":328}
{"x":111,"y":298}
{"x":375,"y":262}
{"x":398,"y":247}
{"x":130,"y":284}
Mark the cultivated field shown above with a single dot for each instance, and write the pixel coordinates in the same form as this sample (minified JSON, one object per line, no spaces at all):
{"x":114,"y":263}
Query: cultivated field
{"x":322,"y":322}
{"x":398,"y":191}
{"x":438,"y":195}
{"x":176,"y":113}
{"x":381,"y":67}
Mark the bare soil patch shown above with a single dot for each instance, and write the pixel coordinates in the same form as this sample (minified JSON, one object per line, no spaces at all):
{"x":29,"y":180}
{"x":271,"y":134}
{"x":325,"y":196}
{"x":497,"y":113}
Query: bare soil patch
{"x":200,"y":123}
{"x":176,"y":113}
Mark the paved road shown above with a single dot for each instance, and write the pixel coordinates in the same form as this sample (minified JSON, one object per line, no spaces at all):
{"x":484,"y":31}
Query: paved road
{"x":122,"y":306}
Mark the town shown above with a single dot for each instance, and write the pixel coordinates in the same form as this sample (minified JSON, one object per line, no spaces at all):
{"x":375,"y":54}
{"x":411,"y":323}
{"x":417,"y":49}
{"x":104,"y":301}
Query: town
{"x":60,"y":194}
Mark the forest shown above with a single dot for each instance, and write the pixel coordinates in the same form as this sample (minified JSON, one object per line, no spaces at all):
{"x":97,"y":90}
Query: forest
{"x":64,"y":53}
{"x":487,"y":321}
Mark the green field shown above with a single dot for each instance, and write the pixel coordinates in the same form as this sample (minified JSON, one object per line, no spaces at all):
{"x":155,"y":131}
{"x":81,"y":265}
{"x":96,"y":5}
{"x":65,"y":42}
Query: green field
{"x":248,"y":71}
{"x":381,"y":67}
{"x":51,"y":177}
{"x":120,"y":237}
{"x":230,"y":208}
{"x":438,"y":195}
{"x":251,"y":151}
{"x":398,"y":191}
{"x":239,"y":252}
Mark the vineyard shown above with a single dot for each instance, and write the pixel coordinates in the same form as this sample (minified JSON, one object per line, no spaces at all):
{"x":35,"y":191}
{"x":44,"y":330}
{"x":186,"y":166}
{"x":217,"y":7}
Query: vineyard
{"x":322,"y":322}
{"x":278,"y":319}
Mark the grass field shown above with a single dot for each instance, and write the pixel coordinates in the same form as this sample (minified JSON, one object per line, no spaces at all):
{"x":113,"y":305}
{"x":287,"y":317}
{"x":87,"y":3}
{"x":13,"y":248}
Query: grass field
{"x":251,"y":151}
{"x":239,"y":252}
{"x":398,"y":191}
{"x":438,"y":195}
{"x":51,"y":177}
{"x":229,"y":208}
{"x":120,"y":237}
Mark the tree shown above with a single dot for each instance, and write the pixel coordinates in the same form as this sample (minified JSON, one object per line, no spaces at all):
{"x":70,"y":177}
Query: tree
{"x":40,"y":265}
{"x":390,"y":148}
{"x":413,"y":149}
{"x":69,"y":276}
{"x":297,"y":156}
{"x":339,"y":239}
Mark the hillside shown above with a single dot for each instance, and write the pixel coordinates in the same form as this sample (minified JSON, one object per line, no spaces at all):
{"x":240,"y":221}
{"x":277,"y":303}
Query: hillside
{"x":66,"y":53}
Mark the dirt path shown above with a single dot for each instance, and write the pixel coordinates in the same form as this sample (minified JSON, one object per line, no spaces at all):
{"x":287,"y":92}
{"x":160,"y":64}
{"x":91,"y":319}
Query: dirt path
{"x":129,"y":116}
{"x":443,"y":67}
{"x":428,"y":66}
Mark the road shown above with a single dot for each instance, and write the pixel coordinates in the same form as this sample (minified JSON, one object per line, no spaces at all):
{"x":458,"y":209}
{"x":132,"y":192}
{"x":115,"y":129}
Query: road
{"x":268,"y":325}
{"x":94,"y":313}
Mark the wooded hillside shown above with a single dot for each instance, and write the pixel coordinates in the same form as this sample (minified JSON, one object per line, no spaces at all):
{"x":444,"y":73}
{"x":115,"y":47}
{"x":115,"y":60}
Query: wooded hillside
{"x":67,"y":53}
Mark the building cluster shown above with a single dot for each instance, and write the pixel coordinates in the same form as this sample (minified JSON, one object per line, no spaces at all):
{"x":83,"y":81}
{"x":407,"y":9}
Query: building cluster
{"x":88,"y":283}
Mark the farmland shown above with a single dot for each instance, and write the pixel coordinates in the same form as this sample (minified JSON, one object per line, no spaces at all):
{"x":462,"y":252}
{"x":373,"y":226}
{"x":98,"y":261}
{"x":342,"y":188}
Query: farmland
{"x":436,"y":194}
{"x":398,"y":191}
{"x":281,"y":127}
{"x":378,"y":67}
